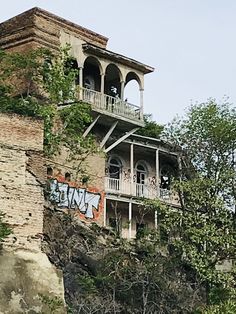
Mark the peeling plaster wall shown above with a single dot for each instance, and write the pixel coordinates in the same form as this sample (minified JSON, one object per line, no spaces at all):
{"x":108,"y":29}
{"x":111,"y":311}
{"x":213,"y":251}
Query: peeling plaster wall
{"x":25,"y":271}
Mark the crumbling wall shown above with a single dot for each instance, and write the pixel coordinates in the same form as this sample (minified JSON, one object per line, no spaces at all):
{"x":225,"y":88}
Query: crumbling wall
{"x":21,"y":194}
{"x":26,"y":275}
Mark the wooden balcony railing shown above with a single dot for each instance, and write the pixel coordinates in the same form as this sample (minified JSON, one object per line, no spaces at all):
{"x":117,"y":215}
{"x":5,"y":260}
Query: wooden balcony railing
{"x":118,"y":186}
{"x":111,"y":104}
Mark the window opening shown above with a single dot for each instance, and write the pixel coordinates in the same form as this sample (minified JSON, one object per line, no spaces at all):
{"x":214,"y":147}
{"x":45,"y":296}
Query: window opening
{"x":115,"y":168}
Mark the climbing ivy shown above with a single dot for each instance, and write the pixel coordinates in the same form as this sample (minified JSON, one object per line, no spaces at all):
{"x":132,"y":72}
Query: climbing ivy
{"x":41,"y":84}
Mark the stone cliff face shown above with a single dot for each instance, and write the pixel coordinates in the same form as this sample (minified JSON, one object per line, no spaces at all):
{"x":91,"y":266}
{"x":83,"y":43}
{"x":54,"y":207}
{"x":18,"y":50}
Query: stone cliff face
{"x":75,"y":247}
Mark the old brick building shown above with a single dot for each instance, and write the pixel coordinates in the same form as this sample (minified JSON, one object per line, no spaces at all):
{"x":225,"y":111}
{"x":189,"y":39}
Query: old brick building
{"x":133,"y":166}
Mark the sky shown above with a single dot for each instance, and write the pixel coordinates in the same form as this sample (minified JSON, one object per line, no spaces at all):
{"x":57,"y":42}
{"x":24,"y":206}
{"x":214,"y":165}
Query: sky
{"x":190,"y":43}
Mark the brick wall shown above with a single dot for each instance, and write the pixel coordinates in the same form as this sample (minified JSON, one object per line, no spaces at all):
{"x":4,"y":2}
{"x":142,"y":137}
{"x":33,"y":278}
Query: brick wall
{"x":93,"y":166}
{"x":41,"y":27}
{"x":21,"y":194}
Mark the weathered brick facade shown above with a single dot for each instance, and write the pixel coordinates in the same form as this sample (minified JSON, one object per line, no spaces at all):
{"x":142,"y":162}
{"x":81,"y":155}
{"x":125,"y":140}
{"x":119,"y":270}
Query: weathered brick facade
{"x":25,"y":271}
{"x":38,"y":27}
{"x":22,"y":200}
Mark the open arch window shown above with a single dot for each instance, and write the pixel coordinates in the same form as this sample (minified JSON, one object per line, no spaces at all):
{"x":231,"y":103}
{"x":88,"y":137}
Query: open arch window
{"x":91,"y":74}
{"x":115,"y":167}
{"x":89,"y":82}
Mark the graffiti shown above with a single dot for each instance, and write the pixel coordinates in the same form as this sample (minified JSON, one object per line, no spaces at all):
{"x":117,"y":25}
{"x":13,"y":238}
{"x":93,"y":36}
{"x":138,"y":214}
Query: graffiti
{"x":68,"y":195}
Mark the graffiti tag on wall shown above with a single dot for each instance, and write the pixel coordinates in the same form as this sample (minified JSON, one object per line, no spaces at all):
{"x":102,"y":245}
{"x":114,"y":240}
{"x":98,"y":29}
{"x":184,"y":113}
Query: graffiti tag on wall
{"x":88,"y":201}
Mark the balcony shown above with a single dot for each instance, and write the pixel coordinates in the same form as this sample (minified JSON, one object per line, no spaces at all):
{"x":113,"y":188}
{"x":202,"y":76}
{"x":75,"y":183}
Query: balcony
{"x":111,"y":105}
{"x":118,"y":186}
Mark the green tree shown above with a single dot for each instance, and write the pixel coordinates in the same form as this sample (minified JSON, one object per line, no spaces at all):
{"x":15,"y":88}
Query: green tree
{"x":39,"y":83}
{"x":203,"y":228}
{"x":151,"y":128}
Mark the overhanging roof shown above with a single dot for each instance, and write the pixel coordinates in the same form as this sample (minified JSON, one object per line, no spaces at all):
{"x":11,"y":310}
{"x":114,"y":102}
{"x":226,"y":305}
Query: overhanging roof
{"x":100,"y":52}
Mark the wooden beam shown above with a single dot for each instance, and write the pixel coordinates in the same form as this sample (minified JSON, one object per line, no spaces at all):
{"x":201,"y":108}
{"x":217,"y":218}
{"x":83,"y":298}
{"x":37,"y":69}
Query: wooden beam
{"x":91,"y":126}
{"x":161,"y":149}
{"x":106,"y":137}
{"x":120,"y":140}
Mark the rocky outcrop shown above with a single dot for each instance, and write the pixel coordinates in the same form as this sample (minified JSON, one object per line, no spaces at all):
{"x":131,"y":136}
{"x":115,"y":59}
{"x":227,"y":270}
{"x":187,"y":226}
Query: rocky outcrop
{"x":76,"y":247}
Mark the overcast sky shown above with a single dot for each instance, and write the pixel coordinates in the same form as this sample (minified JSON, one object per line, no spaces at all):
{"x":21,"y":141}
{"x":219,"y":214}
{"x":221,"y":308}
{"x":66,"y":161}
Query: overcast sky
{"x":190,"y":43}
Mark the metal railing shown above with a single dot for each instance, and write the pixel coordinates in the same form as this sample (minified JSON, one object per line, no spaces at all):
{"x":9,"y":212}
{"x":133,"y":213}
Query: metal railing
{"x":110,"y":104}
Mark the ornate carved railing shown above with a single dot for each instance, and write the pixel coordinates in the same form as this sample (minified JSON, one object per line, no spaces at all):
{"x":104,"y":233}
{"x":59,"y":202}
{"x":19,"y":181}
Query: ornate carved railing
{"x":111,"y":104}
{"x":151,"y":191}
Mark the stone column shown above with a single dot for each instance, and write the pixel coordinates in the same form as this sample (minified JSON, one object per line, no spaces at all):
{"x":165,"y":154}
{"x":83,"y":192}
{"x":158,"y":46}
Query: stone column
{"x":122,"y":89}
{"x":141,"y":103}
{"x":80,"y":83}
{"x":102,"y":82}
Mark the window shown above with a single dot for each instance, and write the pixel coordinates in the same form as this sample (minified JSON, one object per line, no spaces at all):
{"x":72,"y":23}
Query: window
{"x":115,"y":168}
{"x":141,"y":178}
{"x":141,"y":174}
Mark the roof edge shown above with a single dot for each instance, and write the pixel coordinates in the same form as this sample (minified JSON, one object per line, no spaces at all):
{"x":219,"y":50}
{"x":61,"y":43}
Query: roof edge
{"x":45,"y":13}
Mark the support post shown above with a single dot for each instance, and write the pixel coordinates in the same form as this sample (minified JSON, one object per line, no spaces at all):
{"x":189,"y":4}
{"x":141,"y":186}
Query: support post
{"x":141,"y":104}
{"x":81,"y":83}
{"x":132,"y":169}
{"x":180,"y":167}
{"x":157,"y":173}
{"x":102,"y":82}
{"x":130,"y":220}
{"x":105,"y":213}
{"x":156,"y":222}
{"x":122,"y":90}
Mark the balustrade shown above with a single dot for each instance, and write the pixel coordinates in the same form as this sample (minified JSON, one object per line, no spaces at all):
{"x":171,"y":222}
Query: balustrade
{"x":111,"y":104}
{"x":151,"y":191}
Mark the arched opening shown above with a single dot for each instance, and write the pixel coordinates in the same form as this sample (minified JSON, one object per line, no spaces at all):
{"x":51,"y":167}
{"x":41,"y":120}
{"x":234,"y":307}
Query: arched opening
{"x":141,"y":179}
{"x":67,"y":176}
{"x":132,"y":87}
{"x":141,"y":173}
{"x":91,"y":74}
{"x":49,"y":171}
{"x":112,"y":81}
{"x":72,"y":64}
{"x":114,"y":168}
{"x":114,"y":173}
